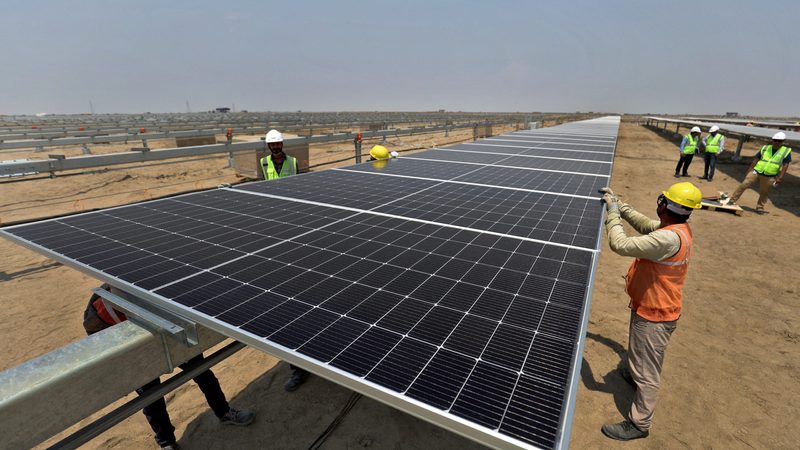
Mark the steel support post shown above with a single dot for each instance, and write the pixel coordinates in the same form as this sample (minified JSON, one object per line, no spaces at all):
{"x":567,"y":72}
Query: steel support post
{"x":357,"y":143}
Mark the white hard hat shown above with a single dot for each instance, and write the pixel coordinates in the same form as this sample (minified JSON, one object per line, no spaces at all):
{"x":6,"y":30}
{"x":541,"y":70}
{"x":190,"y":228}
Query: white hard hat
{"x":274,"y":136}
{"x":779,"y":136}
{"x":695,"y":129}
{"x":394,"y":154}
{"x":713,"y":129}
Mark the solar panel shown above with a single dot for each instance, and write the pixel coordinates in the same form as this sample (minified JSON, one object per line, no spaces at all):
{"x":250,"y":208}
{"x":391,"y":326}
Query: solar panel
{"x":456,"y":290}
{"x":522,"y":150}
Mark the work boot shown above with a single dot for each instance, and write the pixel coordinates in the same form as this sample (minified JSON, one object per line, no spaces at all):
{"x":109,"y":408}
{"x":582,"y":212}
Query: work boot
{"x":298,"y":377}
{"x":704,"y":177}
{"x":173,"y":446}
{"x":685,"y":175}
{"x":623,"y":431}
{"x":625,"y":373}
{"x":761,"y":211}
{"x":677,"y":175}
{"x":240,"y":418}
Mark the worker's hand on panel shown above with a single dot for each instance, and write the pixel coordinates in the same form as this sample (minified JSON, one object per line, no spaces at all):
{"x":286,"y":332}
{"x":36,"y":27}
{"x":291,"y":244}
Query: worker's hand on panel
{"x":608,"y":195}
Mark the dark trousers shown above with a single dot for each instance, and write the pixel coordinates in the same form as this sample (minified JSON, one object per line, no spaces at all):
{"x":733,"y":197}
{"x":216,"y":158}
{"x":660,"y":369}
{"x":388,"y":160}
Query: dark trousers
{"x":156,"y":412}
{"x":710,"y":166}
{"x":684,"y":161}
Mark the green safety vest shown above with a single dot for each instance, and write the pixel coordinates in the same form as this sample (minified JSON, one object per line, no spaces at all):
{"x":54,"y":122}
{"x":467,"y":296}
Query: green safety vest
{"x":289,"y":167}
{"x":712,"y":143}
{"x":771,"y":162}
{"x":691,"y":145}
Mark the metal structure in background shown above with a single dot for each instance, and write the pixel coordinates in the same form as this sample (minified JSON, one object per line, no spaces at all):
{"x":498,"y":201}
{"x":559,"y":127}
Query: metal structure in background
{"x":742,"y":133}
{"x":82,"y":125}
{"x":786,"y":125}
{"x":39,"y":141}
{"x":58,"y":163}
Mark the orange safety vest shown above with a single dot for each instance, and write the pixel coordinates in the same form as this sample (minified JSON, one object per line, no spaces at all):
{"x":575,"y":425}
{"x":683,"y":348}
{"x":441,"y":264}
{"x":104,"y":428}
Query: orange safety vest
{"x":655,"y":286}
{"x":107,"y":315}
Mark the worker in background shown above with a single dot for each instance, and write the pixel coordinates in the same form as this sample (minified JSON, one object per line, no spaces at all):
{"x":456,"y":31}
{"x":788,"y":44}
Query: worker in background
{"x":688,"y":149}
{"x":769,"y":167}
{"x":654,"y":284}
{"x":379,"y":152}
{"x":382,"y":155}
{"x":99,"y":315}
{"x":713,"y":144}
{"x":277,"y":164}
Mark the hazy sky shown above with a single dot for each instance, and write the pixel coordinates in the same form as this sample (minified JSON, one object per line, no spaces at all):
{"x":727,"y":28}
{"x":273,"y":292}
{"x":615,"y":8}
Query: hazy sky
{"x":603,"y":55}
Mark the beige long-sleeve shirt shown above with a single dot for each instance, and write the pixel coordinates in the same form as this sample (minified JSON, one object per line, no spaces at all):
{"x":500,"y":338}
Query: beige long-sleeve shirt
{"x":654,"y":244}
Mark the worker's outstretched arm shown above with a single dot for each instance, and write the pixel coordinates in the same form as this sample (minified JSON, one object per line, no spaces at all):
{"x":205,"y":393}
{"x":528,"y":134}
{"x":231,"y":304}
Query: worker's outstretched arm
{"x":638,"y":221}
{"x":656,"y":245}
{"x":641,"y":223}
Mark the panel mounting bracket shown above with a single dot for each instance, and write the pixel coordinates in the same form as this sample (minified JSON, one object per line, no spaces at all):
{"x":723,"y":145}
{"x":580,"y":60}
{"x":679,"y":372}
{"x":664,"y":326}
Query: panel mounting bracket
{"x":152,"y":317}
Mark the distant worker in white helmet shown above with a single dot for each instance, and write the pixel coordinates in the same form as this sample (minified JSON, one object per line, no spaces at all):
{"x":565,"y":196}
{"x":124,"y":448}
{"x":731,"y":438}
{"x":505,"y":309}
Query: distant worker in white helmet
{"x":277,"y":164}
{"x":768,"y":167}
{"x":689,"y":146}
{"x":713,"y":145}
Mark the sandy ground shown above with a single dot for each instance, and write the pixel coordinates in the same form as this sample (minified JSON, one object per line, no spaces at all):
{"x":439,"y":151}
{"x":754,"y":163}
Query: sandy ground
{"x":730,"y":378}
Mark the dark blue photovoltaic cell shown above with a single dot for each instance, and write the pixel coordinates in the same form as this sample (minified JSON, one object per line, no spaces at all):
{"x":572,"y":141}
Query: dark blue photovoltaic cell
{"x":439,"y":170}
{"x":440,"y":276}
{"x":351,"y":189}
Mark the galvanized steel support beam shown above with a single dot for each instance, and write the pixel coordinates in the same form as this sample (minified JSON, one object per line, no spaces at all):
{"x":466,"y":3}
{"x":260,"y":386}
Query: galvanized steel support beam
{"x":44,"y":396}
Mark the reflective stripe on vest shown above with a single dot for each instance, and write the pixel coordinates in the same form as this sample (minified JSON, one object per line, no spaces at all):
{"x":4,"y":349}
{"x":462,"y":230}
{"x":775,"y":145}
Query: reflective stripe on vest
{"x":289,"y":167}
{"x":712,"y":143}
{"x":771,"y":163}
{"x":655,"y":287}
{"x":691,"y":145}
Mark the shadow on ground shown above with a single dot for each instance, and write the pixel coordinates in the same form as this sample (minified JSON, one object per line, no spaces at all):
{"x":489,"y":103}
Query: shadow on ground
{"x":295,"y":420}
{"x":612,"y":382}
{"x":6,"y":276}
{"x":786,"y":197}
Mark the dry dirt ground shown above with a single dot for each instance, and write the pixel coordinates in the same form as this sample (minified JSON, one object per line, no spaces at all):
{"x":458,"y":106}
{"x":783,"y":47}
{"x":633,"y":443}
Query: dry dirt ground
{"x":731,"y":375}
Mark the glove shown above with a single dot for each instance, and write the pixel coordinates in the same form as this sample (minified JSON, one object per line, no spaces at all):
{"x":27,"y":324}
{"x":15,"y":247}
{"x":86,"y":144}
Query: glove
{"x":608,"y":196}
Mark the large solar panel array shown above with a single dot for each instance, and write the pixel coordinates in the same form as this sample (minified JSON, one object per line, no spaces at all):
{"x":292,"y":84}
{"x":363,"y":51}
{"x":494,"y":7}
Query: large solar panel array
{"x":451,"y":283}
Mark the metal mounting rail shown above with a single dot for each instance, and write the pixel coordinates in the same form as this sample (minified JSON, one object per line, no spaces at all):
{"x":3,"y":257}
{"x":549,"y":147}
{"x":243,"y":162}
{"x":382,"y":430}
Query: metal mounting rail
{"x":58,"y":163}
{"x":48,"y":394}
{"x":94,"y":429}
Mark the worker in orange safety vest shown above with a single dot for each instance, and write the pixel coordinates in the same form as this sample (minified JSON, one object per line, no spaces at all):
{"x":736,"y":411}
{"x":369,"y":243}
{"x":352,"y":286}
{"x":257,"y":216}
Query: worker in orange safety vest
{"x":654,"y":284}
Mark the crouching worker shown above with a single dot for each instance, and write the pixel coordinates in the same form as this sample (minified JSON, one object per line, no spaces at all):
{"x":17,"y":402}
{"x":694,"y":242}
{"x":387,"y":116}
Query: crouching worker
{"x":380,"y":152}
{"x":99,"y":315}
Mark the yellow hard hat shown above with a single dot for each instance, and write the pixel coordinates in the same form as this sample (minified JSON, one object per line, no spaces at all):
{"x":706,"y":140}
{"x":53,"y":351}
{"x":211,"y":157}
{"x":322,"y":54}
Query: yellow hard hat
{"x":685,"y":194}
{"x":379,"y":152}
